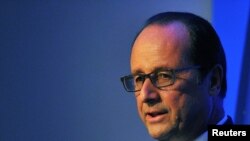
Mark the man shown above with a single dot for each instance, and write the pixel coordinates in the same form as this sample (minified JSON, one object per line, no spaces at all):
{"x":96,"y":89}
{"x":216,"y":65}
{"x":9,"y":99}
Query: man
{"x":178,"y":76}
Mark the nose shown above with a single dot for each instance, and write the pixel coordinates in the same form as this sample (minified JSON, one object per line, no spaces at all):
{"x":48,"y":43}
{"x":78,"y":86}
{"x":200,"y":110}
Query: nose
{"x":150,"y":93}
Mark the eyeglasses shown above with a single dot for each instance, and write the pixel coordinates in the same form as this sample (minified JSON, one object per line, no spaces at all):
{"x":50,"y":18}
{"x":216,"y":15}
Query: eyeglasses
{"x":160,"y":79}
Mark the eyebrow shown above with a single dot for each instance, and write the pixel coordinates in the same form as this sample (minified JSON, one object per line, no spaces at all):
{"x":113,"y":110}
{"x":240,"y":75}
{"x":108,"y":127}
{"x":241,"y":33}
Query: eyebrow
{"x":163,"y":69}
{"x":136,"y":72}
{"x":157,"y":69}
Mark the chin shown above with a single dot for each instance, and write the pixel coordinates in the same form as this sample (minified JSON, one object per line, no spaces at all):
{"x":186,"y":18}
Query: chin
{"x":159,"y":134}
{"x":161,"y":137}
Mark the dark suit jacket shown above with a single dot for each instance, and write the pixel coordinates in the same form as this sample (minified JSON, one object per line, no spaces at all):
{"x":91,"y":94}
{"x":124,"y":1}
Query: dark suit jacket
{"x":229,"y":121}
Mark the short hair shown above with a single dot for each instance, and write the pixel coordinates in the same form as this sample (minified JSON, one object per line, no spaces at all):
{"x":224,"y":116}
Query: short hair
{"x":206,"y":47}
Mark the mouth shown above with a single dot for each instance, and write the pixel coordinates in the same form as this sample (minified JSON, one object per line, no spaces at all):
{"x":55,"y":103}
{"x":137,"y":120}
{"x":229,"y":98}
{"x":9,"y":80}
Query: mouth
{"x":156,"y":116}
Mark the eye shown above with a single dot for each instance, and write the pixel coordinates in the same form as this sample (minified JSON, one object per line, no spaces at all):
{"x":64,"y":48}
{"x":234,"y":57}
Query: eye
{"x":164,"y":75}
{"x":138,"y":78}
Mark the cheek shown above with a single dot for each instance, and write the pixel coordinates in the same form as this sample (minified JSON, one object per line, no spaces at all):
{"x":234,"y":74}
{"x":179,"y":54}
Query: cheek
{"x":175,"y":102}
{"x":173,"y":97}
{"x":189,"y":107}
{"x":185,"y":97}
{"x":180,"y":103}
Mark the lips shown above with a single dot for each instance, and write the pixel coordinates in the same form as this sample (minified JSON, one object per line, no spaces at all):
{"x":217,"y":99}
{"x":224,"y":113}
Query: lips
{"x":156,"y":116}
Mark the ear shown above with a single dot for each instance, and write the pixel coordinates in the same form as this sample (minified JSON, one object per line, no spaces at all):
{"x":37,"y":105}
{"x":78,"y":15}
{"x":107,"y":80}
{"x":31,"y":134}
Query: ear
{"x":216,"y":77}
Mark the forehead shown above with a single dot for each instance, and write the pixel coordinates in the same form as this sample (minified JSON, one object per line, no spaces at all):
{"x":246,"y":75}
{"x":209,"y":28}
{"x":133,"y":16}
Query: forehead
{"x":161,"y":46}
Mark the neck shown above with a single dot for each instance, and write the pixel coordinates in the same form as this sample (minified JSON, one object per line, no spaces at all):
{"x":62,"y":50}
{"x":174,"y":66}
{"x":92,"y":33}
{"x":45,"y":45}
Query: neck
{"x":217,"y":112}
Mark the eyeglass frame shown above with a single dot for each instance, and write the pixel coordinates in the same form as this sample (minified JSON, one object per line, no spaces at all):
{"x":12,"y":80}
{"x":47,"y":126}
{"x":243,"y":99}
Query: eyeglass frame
{"x":150,"y":76}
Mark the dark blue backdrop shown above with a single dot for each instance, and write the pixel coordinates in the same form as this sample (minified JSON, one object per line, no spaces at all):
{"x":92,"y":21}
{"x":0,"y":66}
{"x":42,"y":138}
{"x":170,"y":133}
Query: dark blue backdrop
{"x":60,"y":67}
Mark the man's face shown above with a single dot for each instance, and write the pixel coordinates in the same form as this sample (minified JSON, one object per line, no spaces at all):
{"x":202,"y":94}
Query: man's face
{"x":182,"y":108}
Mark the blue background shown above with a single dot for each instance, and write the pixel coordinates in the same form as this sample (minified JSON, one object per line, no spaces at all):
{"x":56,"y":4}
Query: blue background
{"x":61,"y":62}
